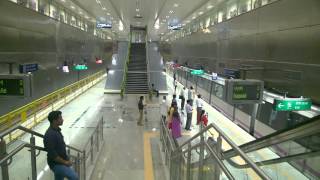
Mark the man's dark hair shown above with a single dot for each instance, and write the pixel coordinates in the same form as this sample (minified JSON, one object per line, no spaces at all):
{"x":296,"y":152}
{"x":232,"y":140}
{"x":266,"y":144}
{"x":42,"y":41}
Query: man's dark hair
{"x":54,"y":115}
{"x":141,"y":97}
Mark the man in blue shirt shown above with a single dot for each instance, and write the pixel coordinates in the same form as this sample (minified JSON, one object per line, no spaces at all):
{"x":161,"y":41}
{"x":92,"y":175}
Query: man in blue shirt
{"x":54,"y":144}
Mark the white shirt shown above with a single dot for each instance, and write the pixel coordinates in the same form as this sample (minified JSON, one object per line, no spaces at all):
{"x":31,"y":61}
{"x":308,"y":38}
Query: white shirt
{"x":189,"y":108}
{"x":199,"y":102}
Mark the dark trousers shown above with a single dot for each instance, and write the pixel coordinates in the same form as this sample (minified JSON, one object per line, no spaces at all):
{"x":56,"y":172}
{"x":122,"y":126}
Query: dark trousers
{"x":188,"y":123}
{"x":182,"y":102}
{"x":199,"y":109}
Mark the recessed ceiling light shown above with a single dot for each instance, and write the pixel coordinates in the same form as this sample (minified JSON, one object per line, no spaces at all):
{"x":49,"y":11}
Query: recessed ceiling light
{"x":187,"y":21}
{"x":164,"y":20}
{"x":175,"y":5}
{"x":80,"y":12}
{"x":171,"y":11}
{"x":137,"y":9}
{"x":167,"y":17}
{"x":72,"y":7}
{"x":200,"y":13}
{"x":86,"y":17}
{"x":209,"y":7}
{"x":63,"y":0}
{"x":193,"y":17}
{"x":108,"y":14}
{"x":104,"y":8}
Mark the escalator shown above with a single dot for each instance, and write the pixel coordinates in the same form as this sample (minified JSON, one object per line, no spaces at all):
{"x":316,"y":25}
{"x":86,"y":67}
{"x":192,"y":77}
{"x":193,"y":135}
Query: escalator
{"x":292,"y":153}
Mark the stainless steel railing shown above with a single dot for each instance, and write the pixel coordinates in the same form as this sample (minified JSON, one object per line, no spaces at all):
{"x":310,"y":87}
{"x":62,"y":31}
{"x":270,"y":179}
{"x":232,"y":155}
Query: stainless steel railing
{"x":179,"y":158}
{"x":77,"y":156}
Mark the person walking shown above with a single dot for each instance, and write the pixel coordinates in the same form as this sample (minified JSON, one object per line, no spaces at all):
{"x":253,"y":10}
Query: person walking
{"x":54,"y":144}
{"x":176,"y":124}
{"x":140,"y":107}
{"x":189,"y":110}
{"x":199,"y":107}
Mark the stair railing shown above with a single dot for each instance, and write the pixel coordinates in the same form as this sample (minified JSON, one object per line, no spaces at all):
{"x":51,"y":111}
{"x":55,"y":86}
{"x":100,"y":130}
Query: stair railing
{"x":78,"y":157}
{"x":178,"y":158}
{"x":125,"y":72}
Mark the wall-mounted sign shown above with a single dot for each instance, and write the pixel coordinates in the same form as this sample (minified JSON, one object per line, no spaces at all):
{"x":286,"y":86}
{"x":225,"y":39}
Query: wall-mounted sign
{"x":197,"y":72}
{"x":25,"y":68}
{"x":15,"y":85}
{"x":232,"y":73}
{"x":244,"y":91}
{"x":104,"y":25}
{"x":81,"y":67}
{"x":214,"y":76}
{"x":65,"y":69}
{"x":292,"y":104}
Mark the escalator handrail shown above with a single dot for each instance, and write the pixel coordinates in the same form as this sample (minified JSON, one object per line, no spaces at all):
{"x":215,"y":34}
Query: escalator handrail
{"x":232,"y":144}
{"x":301,"y":130}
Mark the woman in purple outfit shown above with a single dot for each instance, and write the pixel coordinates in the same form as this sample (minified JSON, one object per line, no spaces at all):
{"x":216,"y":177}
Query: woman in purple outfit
{"x":176,"y":125}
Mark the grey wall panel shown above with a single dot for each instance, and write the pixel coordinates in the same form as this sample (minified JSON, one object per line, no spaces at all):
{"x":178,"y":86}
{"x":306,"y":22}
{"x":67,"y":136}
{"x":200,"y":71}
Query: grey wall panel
{"x":114,"y":80}
{"x":283,"y":37}
{"x":159,"y":80}
{"x":29,"y":37}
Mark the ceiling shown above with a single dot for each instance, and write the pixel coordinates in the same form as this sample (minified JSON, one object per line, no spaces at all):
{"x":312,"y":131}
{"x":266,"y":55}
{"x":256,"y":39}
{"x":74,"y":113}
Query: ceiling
{"x":155,"y":14}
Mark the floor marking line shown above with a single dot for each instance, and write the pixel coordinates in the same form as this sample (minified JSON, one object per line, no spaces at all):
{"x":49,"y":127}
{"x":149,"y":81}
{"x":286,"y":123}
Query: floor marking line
{"x":148,"y":164}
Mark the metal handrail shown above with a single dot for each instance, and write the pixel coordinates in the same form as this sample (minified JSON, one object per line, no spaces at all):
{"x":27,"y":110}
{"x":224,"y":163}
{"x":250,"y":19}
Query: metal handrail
{"x":232,"y":144}
{"x":308,"y":128}
{"x":19,"y":127}
{"x":167,"y":134}
{"x":19,"y":148}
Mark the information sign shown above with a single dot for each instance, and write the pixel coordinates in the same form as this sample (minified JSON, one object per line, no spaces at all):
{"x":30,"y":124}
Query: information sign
{"x":25,"y":68}
{"x":197,"y":72}
{"x":15,"y":85}
{"x":244,"y":91}
{"x":292,"y":104}
{"x":80,"y":67}
{"x":232,"y":73}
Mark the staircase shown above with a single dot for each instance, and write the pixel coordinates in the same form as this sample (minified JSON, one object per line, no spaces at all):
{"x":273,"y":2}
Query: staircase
{"x":137,"y":77}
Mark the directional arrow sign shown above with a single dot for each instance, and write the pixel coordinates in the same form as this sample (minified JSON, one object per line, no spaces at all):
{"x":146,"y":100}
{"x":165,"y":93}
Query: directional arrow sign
{"x":292,"y":104}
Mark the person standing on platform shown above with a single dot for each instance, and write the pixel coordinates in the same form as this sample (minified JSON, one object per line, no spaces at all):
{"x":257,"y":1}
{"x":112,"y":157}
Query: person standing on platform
{"x":140,"y":107}
{"x":174,"y":99}
{"x":182,"y":97}
{"x":203,"y":118}
{"x":189,"y":110}
{"x":199,"y":107}
{"x":191,"y":95}
{"x":55,"y":146}
{"x":176,"y":124}
{"x":170,"y":114}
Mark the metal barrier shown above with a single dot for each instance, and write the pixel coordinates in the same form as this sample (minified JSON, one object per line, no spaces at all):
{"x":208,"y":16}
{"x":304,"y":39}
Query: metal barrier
{"x":34,"y":112}
{"x":77,"y":156}
{"x":197,"y":149}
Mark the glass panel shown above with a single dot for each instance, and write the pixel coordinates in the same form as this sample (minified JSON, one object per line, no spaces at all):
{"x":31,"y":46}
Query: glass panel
{"x":255,"y":4}
{"x":244,"y":6}
{"x":53,"y":11}
{"x":231,"y":9}
{"x":63,"y":17}
{"x":44,"y":7}
{"x":33,"y":4}
{"x":17,"y":165}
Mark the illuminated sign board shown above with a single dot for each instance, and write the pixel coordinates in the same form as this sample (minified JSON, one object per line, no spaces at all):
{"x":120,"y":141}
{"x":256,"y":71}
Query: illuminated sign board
{"x":292,"y":104}
{"x":244,"y":91}
{"x":15,"y":85}
{"x":104,"y":25}
{"x":197,"y":72}
{"x":175,"y":27}
{"x":80,"y":67}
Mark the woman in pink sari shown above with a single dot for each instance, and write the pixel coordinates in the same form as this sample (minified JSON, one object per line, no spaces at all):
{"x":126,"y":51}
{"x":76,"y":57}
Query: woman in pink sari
{"x":176,"y":125}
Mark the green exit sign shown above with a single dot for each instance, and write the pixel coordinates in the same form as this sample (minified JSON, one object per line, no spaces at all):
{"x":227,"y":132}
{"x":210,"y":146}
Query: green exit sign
{"x":197,"y":72}
{"x":12,"y":87}
{"x":80,"y":67}
{"x":292,"y":104}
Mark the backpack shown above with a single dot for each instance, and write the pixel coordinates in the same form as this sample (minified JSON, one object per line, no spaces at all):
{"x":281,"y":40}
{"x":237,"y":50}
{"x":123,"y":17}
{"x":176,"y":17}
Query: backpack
{"x":140,"y":104}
